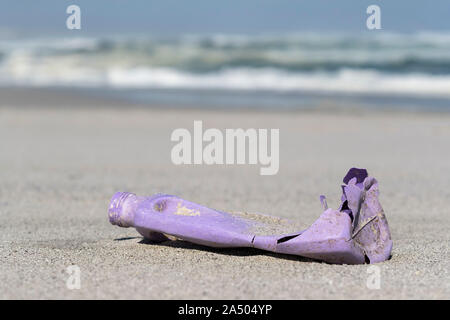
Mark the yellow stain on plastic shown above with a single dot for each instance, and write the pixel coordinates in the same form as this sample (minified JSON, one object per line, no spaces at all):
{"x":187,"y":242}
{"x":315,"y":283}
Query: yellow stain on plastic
{"x":183,"y":211}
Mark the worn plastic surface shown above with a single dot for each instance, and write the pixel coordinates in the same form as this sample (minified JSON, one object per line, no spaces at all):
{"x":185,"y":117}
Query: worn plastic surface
{"x":356,"y":233}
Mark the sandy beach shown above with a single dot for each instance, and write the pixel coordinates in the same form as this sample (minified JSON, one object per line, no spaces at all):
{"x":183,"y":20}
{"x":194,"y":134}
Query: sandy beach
{"x":63,"y":156}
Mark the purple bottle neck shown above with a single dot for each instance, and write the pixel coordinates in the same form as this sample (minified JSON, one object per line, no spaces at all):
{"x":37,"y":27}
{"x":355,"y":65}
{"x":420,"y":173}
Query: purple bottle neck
{"x":122,"y":208}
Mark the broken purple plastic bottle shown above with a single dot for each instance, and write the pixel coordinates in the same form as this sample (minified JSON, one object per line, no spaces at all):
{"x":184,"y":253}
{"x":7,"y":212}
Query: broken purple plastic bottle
{"x":356,"y":233}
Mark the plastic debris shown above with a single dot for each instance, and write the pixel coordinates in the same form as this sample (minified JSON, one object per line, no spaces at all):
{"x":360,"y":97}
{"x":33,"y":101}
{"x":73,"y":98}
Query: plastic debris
{"x":356,"y":233}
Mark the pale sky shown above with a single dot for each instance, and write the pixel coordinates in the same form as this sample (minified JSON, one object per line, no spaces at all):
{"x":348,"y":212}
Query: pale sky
{"x":214,"y":16}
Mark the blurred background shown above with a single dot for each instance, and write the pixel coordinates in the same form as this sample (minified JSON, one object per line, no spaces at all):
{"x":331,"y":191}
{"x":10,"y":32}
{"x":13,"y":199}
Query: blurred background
{"x":253,"y":54}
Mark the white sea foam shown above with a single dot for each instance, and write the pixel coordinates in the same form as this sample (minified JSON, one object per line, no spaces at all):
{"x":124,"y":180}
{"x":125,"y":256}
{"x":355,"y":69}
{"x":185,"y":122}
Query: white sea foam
{"x":343,"y":81}
{"x":412,"y":65}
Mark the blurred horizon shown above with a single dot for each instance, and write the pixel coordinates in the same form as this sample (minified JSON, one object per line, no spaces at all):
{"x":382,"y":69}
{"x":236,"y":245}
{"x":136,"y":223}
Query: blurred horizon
{"x":291,"y":51}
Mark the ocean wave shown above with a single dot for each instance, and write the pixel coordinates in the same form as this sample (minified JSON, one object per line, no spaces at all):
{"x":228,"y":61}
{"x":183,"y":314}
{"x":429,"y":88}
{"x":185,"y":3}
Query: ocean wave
{"x":343,"y":81}
{"x":423,"y":52}
{"x":346,"y":81}
{"x":414,"y":64}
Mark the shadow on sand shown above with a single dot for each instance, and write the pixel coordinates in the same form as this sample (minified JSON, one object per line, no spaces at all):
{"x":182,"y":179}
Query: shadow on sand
{"x":239,"y":252}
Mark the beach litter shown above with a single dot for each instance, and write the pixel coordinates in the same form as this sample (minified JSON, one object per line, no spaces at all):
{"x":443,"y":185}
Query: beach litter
{"x":356,"y":233}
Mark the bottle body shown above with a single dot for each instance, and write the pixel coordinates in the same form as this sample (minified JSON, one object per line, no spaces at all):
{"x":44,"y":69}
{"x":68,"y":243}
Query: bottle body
{"x":165,"y":214}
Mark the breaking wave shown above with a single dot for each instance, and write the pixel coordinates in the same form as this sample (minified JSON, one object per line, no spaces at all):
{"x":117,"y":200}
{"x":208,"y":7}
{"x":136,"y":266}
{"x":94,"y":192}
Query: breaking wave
{"x":414,"y":64}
